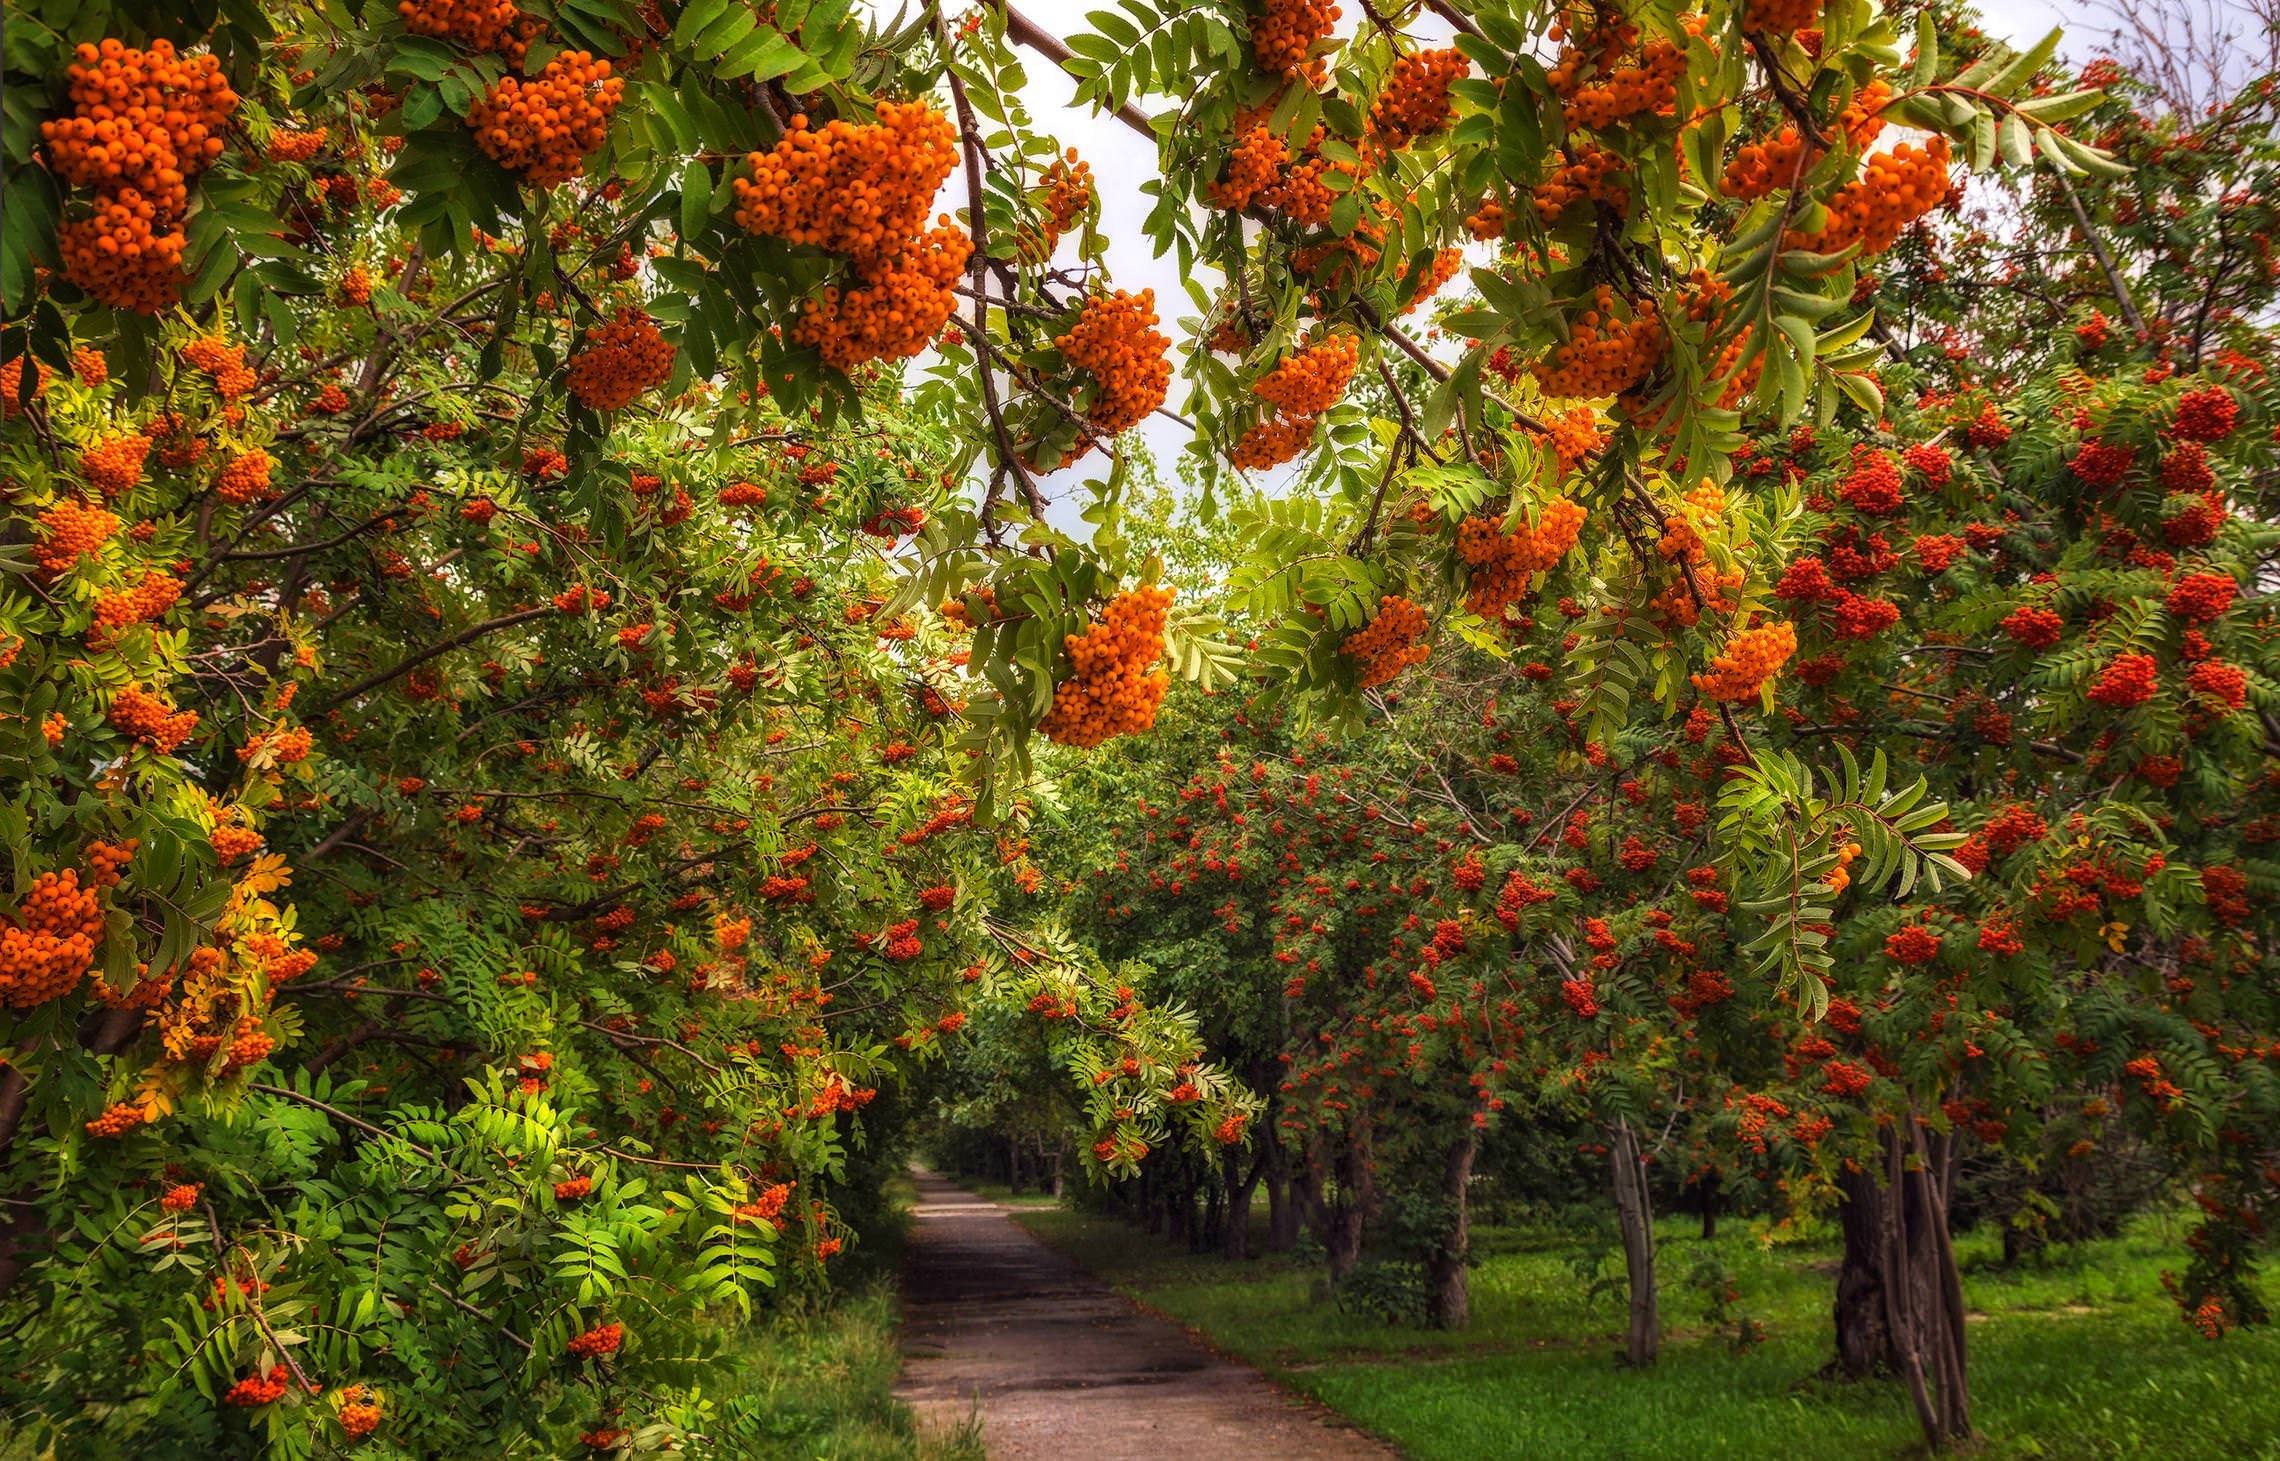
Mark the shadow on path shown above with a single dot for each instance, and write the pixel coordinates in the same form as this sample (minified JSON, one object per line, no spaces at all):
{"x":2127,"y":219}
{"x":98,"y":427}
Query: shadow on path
{"x":1063,"y":1366}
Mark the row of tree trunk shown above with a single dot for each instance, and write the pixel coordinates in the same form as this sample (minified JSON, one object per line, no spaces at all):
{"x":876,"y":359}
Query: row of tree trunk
{"x":1899,"y":1299}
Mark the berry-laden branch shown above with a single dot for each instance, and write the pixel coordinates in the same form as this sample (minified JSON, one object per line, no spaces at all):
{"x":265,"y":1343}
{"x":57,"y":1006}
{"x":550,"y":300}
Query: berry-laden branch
{"x":1009,"y":458}
{"x":405,"y":666}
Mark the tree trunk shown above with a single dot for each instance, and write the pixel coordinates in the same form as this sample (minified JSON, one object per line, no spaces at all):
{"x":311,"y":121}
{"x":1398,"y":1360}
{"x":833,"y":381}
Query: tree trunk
{"x":1344,"y":1215}
{"x":1706,"y":1192}
{"x":1057,"y":1172}
{"x":1634,"y":1212}
{"x":1235,"y":1237}
{"x":1864,"y":1338}
{"x":1923,"y":1292}
{"x":1180,"y":1227}
{"x":1447,"y":1290}
{"x":1013,"y":1167}
{"x":1282,"y":1200}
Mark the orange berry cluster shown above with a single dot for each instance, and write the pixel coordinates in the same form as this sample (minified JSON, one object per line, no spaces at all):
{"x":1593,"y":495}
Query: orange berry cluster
{"x":359,"y":1411}
{"x":1757,"y":168}
{"x":1604,"y":355}
{"x":12,"y":384}
{"x":1751,"y":658}
{"x":223,"y":361}
{"x":1414,"y":102}
{"x":1263,"y":173}
{"x":1572,"y":436}
{"x":1272,"y":441}
{"x":1894,"y":190}
{"x":479,"y":25}
{"x":600,"y":1340}
{"x":143,"y":125}
{"x":896,"y":313}
{"x":142,"y":716}
{"x":1300,"y":388}
{"x":1068,"y":193}
{"x":127,"y":253}
{"x":1391,"y":642}
{"x":1504,"y":563}
{"x":1780,"y":17}
{"x":1115,"y":340}
{"x":49,"y":945}
{"x":245,"y":477}
{"x":285,"y":146}
{"x":114,"y":465}
{"x":1312,"y":380}
{"x":860,"y":191}
{"x":256,"y":1388}
{"x":1440,"y":271}
{"x":1586,"y":174}
{"x":1114,"y":687}
{"x":1607,"y":76}
{"x":623,"y":358}
{"x":1257,"y":160}
{"x":542,"y":128}
{"x":1283,"y":31}
{"x":146,"y":601}
{"x":70,"y":531}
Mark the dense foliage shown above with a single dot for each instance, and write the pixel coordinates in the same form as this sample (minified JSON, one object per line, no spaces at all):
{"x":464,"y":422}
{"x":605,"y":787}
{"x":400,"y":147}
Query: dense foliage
{"x":543,"y":693}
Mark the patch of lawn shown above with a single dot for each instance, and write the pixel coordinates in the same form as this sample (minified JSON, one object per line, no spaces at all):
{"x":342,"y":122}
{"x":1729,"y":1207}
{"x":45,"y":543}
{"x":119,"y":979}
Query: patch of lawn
{"x":821,"y":1385}
{"x":2078,"y":1355}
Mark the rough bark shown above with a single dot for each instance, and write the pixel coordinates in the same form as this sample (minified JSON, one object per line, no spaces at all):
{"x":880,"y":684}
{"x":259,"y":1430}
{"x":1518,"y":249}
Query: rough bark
{"x":1634,"y":1212}
{"x":1449,"y":1293}
{"x":1899,"y":1293}
{"x":1864,"y":1339}
{"x":1343,"y":1204}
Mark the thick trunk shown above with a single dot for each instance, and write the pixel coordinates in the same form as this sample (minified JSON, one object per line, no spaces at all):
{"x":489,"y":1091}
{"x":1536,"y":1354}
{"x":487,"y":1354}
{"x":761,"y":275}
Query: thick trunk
{"x":1864,"y":1337}
{"x":1706,"y":1193}
{"x":1923,"y":1292}
{"x":1056,"y":1171}
{"x":1347,"y":1211}
{"x":1447,"y":1290}
{"x":1634,"y":1212}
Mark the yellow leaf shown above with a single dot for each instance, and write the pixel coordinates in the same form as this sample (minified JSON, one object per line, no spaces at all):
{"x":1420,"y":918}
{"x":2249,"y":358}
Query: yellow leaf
{"x":268,"y":873}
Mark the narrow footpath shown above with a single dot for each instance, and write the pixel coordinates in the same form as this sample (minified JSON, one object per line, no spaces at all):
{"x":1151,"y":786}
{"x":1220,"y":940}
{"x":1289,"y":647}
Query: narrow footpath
{"x":1058,"y":1364}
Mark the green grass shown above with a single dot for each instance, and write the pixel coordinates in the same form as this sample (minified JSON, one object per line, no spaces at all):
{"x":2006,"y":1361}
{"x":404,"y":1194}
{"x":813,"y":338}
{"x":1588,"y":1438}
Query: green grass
{"x":1005,"y":1196}
{"x":821,"y":1385}
{"x":2081,"y":1355}
{"x":818,"y":1384}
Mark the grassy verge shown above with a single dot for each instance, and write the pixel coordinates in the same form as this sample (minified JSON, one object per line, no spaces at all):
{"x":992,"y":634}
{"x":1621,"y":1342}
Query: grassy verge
{"x":2081,"y":1355}
{"x":819,"y":1385}
{"x":1005,"y":1196}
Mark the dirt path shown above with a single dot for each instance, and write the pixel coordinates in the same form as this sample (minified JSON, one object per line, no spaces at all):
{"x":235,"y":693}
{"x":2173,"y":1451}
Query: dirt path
{"x":1064,"y":1367}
